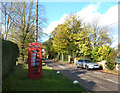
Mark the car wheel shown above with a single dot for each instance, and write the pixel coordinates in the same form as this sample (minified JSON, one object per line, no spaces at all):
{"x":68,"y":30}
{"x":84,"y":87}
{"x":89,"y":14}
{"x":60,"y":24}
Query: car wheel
{"x":77,"y":66}
{"x":86,"y":67}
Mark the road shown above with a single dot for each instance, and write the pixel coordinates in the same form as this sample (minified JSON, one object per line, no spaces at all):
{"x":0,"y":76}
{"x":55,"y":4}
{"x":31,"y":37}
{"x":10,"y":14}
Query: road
{"x":91,"y":80}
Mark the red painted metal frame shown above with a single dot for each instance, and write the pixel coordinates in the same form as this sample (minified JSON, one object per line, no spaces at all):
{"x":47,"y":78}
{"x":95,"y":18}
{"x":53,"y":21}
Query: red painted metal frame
{"x":35,"y":71}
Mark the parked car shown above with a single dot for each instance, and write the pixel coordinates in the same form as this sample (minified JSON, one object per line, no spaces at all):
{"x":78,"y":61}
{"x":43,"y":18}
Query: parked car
{"x":87,"y":63}
{"x":44,"y":58}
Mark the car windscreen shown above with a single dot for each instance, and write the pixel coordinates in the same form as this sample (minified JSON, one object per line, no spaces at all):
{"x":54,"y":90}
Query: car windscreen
{"x":88,"y":61}
{"x":80,"y":60}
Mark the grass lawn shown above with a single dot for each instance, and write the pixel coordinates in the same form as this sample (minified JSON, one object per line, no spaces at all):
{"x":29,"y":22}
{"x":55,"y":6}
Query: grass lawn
{"x":19,"y":81}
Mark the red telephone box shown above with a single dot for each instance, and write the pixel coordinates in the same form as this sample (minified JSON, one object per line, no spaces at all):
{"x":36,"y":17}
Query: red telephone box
{"x":35,"y":60}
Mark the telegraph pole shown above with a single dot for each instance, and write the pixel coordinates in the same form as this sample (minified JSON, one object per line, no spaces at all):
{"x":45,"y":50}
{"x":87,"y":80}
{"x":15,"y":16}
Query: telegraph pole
{"x":36,"y":32}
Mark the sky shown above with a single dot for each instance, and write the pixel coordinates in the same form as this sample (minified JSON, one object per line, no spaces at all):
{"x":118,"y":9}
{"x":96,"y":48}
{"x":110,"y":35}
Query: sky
{"x":105,"y":12}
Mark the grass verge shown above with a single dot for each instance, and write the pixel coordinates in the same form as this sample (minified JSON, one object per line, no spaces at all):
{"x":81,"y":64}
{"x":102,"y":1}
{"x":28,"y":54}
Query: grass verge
{"x":19,"y":81}
{"x":111,"y":71}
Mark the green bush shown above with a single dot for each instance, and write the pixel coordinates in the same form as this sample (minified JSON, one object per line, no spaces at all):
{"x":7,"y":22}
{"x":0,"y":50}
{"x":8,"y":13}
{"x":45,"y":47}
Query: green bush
{"x":109,"y":64}
{"x":10,"y":53}
{"x":105,"y":53}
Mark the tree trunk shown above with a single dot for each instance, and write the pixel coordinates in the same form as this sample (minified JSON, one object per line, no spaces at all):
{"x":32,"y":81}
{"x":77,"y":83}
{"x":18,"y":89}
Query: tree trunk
{"x":69,"y":58}
{"x":62,"y":57}
{"x":23,"y":57}
{"x":5,"y":22}
{"x":58,"y":56}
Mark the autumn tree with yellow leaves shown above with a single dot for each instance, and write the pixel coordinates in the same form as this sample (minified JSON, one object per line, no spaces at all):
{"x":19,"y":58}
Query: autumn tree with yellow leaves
{"x":76,"y":38}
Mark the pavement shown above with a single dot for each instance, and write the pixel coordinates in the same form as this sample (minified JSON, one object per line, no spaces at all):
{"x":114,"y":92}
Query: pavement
{"x":91,"y":80}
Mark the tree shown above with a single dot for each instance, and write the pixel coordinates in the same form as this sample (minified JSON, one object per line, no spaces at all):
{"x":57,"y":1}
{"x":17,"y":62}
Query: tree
{"x":118,"y":53}
{"x":74,"y":36}
{"x":99,"y":35}
{"x":83,"y":42}
{"x":74,"y":24}
{"x":109,"y":54}
{"x":95,"y":54}
{"x":7,"y":22}
{"x":23,"y":25}
{"x":79,"y":36}
{"x":70,"y":37}
{"x":48,"y":46}
{"x":60,"y":42}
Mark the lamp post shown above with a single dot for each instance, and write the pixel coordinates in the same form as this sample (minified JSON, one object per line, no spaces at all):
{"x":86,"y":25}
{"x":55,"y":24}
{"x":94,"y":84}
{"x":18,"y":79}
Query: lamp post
{"x":36,"y":31}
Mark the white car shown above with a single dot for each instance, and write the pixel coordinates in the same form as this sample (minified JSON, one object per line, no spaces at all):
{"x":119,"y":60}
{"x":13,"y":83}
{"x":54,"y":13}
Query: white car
{"x":87,"y":63}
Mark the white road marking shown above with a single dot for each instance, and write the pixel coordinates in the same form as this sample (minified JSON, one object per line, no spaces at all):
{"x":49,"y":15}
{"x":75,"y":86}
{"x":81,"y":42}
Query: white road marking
{"x":112,"y":81}
{"x":91,"y":75}
{"x":104,"y":79}
{"x":86,"y":78}
{"x":103,"y":88}
{"x":83,"y":78}
{"x":98,"y":73}
{"x":62,"y":67}
{"x":97,"y":81}
{"x":97,"y":76}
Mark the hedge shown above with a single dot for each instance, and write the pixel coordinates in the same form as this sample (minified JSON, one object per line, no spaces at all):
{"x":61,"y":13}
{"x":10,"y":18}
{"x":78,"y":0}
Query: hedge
{"x":10,"y":52}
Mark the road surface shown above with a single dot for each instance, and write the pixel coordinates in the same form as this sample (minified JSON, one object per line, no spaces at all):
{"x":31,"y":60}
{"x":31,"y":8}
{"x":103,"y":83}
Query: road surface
{"x":91,"y":80}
